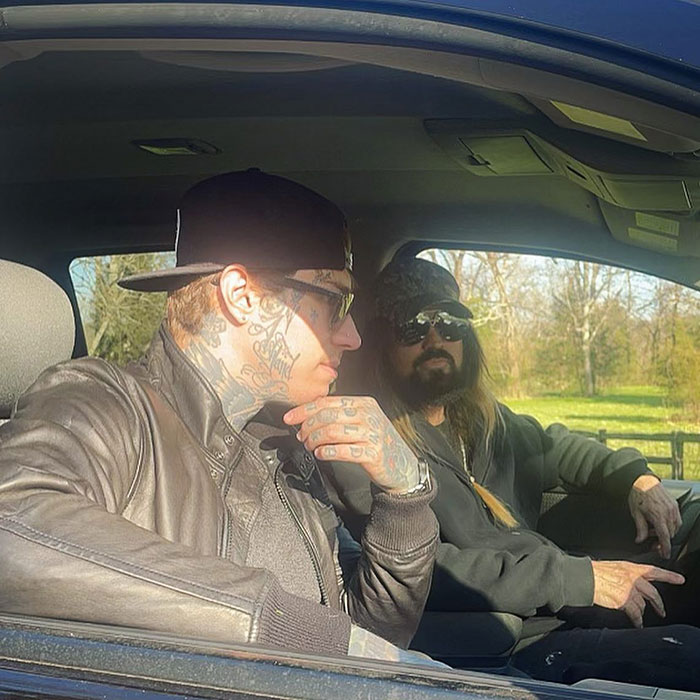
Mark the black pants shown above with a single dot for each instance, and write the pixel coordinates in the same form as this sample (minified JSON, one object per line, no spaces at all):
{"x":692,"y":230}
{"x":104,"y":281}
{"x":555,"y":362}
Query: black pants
{"x":668,"y":657}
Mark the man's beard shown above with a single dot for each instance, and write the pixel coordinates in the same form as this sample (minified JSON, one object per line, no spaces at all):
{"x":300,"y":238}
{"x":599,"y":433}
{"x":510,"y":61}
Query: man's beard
{"x":431,"y":387}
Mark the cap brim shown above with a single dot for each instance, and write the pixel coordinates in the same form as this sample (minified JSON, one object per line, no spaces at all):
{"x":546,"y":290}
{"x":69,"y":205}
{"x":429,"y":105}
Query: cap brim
{"x":429,"y":301}
{"x":170,"y":279}
{"x":456,"y":308}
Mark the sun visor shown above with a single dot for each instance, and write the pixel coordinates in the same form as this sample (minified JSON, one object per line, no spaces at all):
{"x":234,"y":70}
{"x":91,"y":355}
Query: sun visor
{"x":633,"y":131}
{"x":503,"y":155}
{"x":661,"y":231}
{"x":650,"y":194}
{"x":646,"y":180}
{"x":651,"y":200}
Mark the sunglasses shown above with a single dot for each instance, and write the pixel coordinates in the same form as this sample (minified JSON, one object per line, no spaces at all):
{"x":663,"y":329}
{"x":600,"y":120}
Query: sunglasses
{"x":342,"y":301}
{"x":449,"y":327}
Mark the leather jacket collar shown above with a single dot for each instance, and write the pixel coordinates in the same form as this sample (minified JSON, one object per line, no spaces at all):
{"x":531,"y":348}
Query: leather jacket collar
{"x":191,"y":395}
{"x":194,"y":399}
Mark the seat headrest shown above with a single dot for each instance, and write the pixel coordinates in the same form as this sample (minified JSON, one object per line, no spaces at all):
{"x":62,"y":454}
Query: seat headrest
{"x":37,"y":329}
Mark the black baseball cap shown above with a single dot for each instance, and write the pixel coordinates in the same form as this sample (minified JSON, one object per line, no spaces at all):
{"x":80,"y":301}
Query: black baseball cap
{"x":407,"y":286}
{"x":255,"y":219}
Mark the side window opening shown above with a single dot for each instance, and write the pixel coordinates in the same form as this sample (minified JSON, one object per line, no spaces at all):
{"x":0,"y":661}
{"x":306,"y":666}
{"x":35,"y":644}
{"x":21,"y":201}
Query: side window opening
{"x":118,"y":323}
{"x":606,"y":351}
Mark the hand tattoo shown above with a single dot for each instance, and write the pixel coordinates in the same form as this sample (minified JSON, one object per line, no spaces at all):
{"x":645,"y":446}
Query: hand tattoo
{"x":356,"y":429}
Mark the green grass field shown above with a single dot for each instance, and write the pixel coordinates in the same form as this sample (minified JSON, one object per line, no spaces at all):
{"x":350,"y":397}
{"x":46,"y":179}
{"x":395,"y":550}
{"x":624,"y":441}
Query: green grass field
{"x":635,"y":409}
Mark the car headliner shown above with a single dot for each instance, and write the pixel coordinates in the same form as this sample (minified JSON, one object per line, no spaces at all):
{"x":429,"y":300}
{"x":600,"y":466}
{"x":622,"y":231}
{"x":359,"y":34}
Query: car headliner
{"x":72,"y":181}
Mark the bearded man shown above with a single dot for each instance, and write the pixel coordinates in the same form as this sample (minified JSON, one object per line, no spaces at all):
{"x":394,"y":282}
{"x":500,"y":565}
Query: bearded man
{"x":492,"y":467}
{"x":181,"y":494}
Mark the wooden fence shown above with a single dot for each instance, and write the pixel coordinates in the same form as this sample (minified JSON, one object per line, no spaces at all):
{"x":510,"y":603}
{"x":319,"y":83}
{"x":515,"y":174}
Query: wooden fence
{"x":676,"y":439}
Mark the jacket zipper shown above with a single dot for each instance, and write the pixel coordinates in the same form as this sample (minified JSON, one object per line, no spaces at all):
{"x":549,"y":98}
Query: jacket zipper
{"x":226,"y":535}
{"x":304,"y":536}
{"x":226,"y":544}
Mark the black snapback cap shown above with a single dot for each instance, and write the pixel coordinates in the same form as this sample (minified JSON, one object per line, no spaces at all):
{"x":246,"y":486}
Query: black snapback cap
{"x":255,"y":219}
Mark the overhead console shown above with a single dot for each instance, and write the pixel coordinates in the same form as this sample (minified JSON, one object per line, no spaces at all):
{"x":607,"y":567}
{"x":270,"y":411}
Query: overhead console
{"x":648,"y":199}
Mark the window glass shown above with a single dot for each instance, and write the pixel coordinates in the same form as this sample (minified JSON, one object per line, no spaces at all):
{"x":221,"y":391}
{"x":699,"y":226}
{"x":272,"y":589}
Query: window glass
{"x":118,"y":323}
{"x":600,"y":349}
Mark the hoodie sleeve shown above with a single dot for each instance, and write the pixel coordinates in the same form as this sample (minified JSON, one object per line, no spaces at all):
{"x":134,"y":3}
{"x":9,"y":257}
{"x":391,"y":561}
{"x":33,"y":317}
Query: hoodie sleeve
{"x":519,"y":576}
{"x":581,"y":462}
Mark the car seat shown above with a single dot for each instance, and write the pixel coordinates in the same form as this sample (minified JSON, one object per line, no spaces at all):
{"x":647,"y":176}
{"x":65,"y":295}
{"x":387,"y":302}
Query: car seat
{"x":37,"y":329}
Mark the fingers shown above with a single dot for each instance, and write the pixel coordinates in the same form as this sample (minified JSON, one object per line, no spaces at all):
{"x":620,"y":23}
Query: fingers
{"x":299,"y":414}
{"x":634,"y":609}
{"x":345,"y":442}
{"x":664,"y":538}
{"x":654,"y":573}
{"x":652,"y":595}
{"x":668,"y":513}
{"x":330,"y":434}
{"x":324,"y":418}
{"x":655,"y":507}
{"x":359,"y":454}
{"x":673,"y":518}
{"x":667,"y":508}
{"x":341,"y":425}
{"x":340,"y":420}
{"x":338,"y":428}
{"x":309,"y":418}
{"x":642,"y":527}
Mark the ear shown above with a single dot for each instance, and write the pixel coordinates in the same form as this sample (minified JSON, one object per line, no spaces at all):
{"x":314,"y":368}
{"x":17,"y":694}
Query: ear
{"x":237,"y":297}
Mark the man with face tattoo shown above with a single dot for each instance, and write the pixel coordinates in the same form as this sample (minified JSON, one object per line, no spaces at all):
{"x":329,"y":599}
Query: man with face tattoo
{"x":181,"y":494}
{"x":492,"y":467}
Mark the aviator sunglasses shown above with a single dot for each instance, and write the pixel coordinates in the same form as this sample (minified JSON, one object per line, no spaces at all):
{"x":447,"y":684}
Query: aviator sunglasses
{"x":449,"y":327}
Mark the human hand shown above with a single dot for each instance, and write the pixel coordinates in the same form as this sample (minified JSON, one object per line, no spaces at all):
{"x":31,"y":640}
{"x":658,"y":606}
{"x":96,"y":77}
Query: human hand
{"x":622,"y":585}
{"x":650,"y":504}
{"x":354,"y":429}
{"x":369,"y":646}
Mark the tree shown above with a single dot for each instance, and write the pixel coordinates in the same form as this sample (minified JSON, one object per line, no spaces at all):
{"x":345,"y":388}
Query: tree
{"x":118,"y":323}
{"x":583,"y":295}
{"x":500,"y":266}
{"x":678,"y":357}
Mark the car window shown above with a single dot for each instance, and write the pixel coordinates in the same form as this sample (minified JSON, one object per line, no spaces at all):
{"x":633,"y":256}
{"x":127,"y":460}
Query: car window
{"x":118,"y":323}
{"x":606,"y":351}
{"x":425,"y":118}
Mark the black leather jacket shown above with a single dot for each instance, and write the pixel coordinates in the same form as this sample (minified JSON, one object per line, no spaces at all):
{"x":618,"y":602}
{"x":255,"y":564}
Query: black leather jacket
{"x":126,"y":499}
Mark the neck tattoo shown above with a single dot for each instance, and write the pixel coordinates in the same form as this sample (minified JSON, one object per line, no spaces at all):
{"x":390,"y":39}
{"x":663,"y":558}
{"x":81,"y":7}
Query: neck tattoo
{"x":238,"y":401}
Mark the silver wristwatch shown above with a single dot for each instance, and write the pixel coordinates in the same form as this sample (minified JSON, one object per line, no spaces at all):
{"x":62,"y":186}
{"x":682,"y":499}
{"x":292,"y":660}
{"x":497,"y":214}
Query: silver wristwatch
{"x":423,"y":478}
